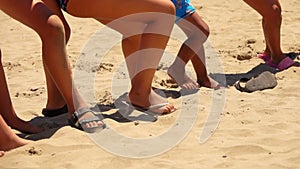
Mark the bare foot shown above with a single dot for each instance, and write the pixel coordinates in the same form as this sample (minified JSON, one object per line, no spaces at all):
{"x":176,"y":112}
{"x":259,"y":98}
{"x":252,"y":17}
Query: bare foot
{"x":2,"y":153}
{"x":179,"y":75}
{"x":208,"y":82}
{"x":24,"y":126}
{"x":12,"y":143}
{"x":153,"y":102}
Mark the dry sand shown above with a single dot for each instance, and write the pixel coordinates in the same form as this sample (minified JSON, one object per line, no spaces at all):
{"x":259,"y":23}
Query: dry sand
{"x":256,"y":130}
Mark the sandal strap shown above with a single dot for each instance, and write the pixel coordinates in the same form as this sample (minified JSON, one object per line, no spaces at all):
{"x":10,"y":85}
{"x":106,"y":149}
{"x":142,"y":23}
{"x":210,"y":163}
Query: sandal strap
{"x":78,"y":113}
{"x":75,"y":122}
{"x":238,"y":86}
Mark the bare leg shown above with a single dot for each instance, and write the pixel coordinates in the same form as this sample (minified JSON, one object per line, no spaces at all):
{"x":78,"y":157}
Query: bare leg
{"x":271,"y":13}
{"x":9,"y":140}
{"x":154,"y":36}
{"x":36,"y":15}
{"x":55,"y":99}
{"x":267,"y":50}
{"x":197,"y":32}
{"x":7,"y":110}
{"x":203,"y":79}
{"x":177,"y":69}
{"x":129,"y":46}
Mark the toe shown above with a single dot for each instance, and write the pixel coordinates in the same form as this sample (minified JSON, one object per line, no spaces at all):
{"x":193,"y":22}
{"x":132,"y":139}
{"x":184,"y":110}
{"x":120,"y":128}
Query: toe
{"x":169,"y":108}
{"x":2,"y":153}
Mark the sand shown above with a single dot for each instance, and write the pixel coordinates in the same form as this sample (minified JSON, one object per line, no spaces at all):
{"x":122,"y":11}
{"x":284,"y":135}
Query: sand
{"x":255,"y":130}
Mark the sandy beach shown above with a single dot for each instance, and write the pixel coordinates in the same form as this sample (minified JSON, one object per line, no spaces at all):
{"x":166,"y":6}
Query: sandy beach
{"x":254,"y":130}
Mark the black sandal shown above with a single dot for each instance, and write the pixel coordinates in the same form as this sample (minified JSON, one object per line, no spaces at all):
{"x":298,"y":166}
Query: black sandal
{"x":81,"y":124}
{"x":55,"y":112}
{"x":265,"y":80}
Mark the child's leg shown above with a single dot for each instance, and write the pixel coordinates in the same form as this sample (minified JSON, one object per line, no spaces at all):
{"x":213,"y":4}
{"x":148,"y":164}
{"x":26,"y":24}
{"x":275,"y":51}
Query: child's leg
{"x":6,"y":108}
{"x":9,"y":140}
{"x":177,"y":70}
{"x":203,"y":79}
{"x":267,"y":51}
{"x":198,"y":60}
{"x":197,"y":32}
{"x":270,"y":10}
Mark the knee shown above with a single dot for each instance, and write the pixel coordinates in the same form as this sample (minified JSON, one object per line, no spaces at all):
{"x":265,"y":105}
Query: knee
{"x":53,"y":29}
{"x":275,"y":13}
{"x":200,"y":35}
{"x":206,"y":32}
{"x":55,"y":26}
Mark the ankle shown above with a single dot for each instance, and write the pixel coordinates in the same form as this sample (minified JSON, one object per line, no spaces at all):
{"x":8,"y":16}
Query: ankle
{"x":140,"y":99}
{"x":277,"y":58}
{"x":137,"y":94}
{"x":55,"y":105}
{"x":267,"y":52}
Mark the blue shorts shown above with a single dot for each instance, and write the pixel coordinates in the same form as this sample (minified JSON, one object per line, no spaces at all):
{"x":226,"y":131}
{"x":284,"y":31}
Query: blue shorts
{"x":183,"y":9}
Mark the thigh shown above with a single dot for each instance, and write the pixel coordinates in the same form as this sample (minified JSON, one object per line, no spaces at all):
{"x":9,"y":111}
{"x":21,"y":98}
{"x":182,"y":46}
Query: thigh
{"x":33,"y":13}
{"x":113,"y":9}
{"x":125,"y":28}
{"x":193,"y":23}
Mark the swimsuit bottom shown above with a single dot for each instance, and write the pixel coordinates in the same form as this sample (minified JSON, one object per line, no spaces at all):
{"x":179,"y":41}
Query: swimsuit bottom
{"x":63,"y":4}
{"x":183,"y":9}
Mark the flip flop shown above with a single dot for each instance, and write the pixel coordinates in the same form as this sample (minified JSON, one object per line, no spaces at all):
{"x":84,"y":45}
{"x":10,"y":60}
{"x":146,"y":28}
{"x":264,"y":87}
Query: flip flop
{"x":153,"y":108}
{"x":55,"y":112}
{"x":81,"y":124}
{"x":283,"y":64}
{"x":264,"y":57}
{"x":265,"y":80}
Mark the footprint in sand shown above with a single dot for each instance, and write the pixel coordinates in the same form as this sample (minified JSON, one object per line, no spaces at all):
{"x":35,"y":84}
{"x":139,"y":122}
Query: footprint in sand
{"x":31,"y":92}
{"x":105,"y":98}
{"x":103,"y":67}
{"x":33,"y":151}
{"x":10,"y":65}
{"x":247,"y":51}
{"x":164,"y":81}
